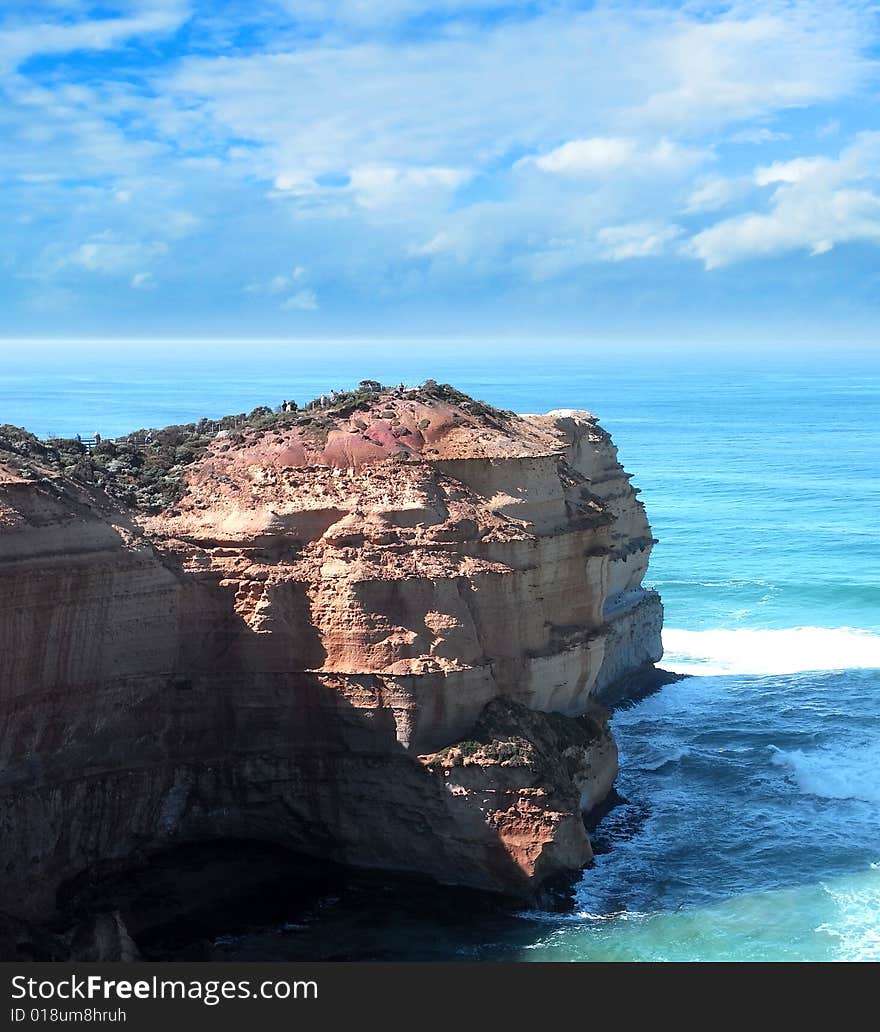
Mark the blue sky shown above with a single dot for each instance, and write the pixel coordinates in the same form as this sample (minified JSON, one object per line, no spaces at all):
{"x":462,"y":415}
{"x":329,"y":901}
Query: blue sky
{"x":464,"y":168}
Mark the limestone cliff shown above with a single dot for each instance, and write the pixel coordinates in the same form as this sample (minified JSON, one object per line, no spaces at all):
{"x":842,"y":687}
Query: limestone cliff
{"x":356,"y":632}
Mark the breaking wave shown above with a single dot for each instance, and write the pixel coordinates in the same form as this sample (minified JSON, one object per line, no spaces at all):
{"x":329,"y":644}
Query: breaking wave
{"x":762,"y":652}
{"x":842,"y":774}
{"x":855,"y":928}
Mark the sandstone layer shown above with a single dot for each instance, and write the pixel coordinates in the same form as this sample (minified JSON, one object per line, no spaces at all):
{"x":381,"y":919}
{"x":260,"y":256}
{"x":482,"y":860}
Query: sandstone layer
{"x":378,"y":634}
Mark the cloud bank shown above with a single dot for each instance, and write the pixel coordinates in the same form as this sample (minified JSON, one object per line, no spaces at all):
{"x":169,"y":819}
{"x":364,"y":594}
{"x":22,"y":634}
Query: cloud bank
{"x":308,"y":166}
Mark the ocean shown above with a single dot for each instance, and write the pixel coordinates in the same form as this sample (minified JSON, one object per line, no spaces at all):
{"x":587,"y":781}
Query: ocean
{"x":750,"y":826}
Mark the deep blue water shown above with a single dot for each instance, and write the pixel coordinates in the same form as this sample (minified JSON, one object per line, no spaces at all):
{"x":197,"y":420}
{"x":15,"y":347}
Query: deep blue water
{"x":752,"y":823}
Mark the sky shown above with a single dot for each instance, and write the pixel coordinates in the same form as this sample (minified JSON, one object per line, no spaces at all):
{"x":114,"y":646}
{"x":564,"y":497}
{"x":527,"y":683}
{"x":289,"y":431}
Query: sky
{"x":461,"y":168}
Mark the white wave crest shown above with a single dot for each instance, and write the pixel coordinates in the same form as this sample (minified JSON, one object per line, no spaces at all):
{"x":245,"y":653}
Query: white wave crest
{"x":856,"y":924}
{"x":674,"y":756}
{"x":845,"y":774}
{"x":789,"y":651}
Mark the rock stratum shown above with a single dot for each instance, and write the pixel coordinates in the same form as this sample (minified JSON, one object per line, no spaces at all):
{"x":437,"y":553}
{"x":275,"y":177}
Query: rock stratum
{"x":379,"y":634}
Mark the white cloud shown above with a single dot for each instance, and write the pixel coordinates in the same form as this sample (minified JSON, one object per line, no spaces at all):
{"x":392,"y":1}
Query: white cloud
{"x":32,"y":37}
{"x":795,"y":171}
{"x":295,"y":183}
{"x":465,"y":99}
{"x":602,"y":155}
{"x":578,"y":157}
{"x":377,"y":187}
{"x":115,"y":258}
{"x":715,"y":192}
{"x":369,"y":13}
{"x":759,"y":58}
{"x":759,"y":135}
{"x":816,"y":203}
{"x":303,"y":300}
{"x":143,"y":281}
{"x":636,"y":240}
{"x":288,"y":289}
{"x":829,"y":128}
{"x":279,"y":284}
{"x":440,"y":243}
{"x":178,"y":224}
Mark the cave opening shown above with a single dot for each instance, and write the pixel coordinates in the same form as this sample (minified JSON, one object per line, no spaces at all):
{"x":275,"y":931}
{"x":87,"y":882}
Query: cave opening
{"x":177,"y":902}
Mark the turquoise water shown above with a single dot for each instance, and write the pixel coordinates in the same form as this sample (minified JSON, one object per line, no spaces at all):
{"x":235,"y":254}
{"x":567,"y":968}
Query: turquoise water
{"x":751,"y":827}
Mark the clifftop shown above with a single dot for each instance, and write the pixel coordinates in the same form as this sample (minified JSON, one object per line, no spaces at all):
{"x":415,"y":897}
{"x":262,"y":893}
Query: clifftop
{"x":148,"y":470}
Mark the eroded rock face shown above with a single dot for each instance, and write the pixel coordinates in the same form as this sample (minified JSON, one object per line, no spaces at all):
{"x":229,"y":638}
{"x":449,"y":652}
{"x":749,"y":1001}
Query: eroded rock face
{"x":292,"y":652}
{"x":533,"y":775}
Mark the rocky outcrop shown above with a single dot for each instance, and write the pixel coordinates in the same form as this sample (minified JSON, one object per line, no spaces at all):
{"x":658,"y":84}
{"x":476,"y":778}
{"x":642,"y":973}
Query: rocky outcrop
{"x":375,"y":634}
{"x":533,"y":776}
{"x":103,"y":938}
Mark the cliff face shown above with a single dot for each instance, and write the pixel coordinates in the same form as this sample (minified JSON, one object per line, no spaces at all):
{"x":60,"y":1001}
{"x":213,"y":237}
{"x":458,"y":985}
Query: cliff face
{"x":375,"y":634}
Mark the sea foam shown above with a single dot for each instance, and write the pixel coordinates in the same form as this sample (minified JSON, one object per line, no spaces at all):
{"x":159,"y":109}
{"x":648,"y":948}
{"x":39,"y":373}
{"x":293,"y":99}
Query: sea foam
{"x":855,"y":925}
{"x":850,"y":773}
{"x":761,"y":652}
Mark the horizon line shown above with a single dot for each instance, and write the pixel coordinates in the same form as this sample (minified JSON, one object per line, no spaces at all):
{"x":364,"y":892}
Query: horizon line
{"x":707,"y":339}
